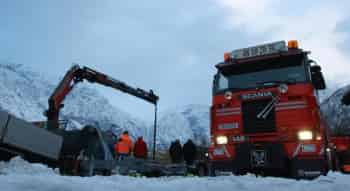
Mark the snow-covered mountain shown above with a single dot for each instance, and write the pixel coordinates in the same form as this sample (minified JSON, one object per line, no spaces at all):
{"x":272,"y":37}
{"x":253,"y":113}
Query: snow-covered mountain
{"x":336,"y":114}
{"x":183,"y":123}
{"x":24,"y":93}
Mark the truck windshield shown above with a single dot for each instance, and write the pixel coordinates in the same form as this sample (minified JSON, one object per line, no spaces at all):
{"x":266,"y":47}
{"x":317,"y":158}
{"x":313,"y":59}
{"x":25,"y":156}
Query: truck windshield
{"x":257,"y":74}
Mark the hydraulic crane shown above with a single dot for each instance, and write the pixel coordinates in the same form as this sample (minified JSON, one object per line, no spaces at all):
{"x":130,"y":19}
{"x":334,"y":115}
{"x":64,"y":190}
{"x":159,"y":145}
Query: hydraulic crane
{"x":76,"y":141}
{"x":78,"y":74}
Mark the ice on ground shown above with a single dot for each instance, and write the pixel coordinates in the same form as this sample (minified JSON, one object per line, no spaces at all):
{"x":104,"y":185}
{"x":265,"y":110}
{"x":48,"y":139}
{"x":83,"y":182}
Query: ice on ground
{"x":18,"y":175}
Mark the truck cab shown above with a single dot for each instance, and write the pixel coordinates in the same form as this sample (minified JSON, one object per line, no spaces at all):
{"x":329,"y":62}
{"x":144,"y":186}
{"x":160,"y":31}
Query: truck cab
{"x":265,"y":115}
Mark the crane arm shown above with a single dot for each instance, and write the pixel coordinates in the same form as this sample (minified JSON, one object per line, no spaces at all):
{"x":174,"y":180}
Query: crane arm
{"x":77,"y":74}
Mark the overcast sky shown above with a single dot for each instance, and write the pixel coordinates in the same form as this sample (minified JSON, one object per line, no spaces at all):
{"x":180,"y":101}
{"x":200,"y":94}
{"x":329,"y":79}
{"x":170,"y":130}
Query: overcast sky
{"x":168,"y":46}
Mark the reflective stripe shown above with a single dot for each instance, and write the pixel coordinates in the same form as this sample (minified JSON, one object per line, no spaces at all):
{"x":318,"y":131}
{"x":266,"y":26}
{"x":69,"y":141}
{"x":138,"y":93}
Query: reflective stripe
{"x":228,"y":109}
{"x":290,"y":107}
{"x":292,"y":103}
{"x":229,"y":113}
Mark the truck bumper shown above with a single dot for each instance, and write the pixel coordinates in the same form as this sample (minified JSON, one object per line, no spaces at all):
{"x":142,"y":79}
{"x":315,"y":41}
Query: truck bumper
{"x":270,"y":158}
{"x":249,"y":156}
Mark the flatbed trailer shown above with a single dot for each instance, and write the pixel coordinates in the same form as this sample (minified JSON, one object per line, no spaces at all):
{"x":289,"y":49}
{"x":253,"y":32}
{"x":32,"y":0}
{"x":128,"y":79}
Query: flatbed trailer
{"x":135,"y":166}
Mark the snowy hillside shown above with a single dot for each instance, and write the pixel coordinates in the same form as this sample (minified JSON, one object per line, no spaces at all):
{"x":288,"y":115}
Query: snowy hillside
{"x":19,"y":175}
{"x":337,"y":115}
{"x":24,"y":93}
{"x":187,"y":122}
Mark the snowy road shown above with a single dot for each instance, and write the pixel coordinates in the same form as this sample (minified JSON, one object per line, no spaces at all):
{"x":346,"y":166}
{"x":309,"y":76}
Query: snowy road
{"x":21,"y":176}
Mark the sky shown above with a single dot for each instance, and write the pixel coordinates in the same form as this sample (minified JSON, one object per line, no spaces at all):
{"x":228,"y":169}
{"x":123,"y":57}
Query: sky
{"x":168,"y":46}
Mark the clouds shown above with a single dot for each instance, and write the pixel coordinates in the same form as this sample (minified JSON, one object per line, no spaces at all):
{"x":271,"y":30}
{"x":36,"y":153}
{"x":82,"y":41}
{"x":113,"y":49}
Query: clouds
{"x":169,"y":46}
{"x":314,"y":25}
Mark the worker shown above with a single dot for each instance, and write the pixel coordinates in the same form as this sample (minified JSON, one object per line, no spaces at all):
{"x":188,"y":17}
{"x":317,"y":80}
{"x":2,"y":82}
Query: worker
{"x":175,"y":152}
{"x":123,"y":147}
{"x":140,"y":148}
{"x":190,"y":151}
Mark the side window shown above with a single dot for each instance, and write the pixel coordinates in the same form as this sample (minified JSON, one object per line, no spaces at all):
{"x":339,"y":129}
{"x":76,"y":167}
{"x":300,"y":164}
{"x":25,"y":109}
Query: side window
{"x":223,"y":82}
{"x":220,"y":83}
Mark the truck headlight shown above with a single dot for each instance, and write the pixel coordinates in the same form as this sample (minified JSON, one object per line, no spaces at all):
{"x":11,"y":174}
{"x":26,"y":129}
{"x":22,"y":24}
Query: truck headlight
{"x":305,"y":135}
{"x":221,"y":140}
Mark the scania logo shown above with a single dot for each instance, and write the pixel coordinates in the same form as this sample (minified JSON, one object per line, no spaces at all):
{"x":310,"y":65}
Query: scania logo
{"x":256,"y":95}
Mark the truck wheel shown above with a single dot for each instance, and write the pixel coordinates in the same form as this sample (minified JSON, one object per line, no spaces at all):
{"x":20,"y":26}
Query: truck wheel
{"x":212,"y":171}
{"x":202,"y":171}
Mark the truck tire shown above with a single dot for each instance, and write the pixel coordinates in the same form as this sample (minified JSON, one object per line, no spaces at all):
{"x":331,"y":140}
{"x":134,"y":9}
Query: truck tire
{"x":202,"y":170}
{"x":344,"y":159}
{"x":211,"y":171}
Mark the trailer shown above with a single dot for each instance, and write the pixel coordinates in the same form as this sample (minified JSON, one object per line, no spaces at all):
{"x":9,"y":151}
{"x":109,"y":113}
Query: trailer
{"x":19,"y":137}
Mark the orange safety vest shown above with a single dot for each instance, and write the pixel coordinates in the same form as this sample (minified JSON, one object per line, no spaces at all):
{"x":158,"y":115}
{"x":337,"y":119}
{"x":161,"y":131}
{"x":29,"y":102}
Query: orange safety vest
{"x":124,"y":146}
{"x":127,"y":139}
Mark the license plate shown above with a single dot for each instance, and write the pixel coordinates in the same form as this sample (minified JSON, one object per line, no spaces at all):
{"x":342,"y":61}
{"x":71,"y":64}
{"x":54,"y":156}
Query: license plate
{"x":219,"y":151}
{"x":308,"y":148}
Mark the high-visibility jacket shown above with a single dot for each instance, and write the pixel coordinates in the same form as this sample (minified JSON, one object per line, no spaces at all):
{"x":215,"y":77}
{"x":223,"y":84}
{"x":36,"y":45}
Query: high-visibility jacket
{"x":124,"y":146}
{"x":128,"y":140}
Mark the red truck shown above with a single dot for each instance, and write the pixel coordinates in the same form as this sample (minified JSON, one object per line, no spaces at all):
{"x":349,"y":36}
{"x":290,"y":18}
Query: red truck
{"x":265,"y":115}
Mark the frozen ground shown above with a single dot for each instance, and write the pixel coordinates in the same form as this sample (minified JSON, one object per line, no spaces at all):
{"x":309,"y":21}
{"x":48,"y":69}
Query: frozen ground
{"x":18,"y":175}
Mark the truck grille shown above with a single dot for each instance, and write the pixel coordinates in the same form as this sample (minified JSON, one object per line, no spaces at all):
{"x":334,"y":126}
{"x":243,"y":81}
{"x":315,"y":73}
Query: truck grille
{"x":253,"y":124}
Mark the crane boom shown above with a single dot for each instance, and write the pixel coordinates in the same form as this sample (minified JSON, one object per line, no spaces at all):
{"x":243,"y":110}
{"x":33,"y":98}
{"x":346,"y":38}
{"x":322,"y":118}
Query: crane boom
{"x":78,"y":74}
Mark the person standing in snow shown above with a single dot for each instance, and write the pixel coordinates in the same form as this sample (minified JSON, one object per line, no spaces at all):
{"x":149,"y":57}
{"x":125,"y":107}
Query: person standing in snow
{"x":175,"y":152}
{"x":140,"y":148}
{"x":190,"y":151}
{"x":124,"y":145}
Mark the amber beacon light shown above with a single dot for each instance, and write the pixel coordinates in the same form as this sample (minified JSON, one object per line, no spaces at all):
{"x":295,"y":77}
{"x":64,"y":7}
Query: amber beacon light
{"x":293,"y":44}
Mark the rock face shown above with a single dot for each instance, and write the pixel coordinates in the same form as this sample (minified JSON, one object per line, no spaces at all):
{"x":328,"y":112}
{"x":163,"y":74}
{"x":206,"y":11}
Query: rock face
{"x":337,"y":114}
{"x":183,"y":123}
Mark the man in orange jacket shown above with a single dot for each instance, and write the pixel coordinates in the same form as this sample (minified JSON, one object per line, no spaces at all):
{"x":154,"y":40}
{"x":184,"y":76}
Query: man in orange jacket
{"x":123,"y":147}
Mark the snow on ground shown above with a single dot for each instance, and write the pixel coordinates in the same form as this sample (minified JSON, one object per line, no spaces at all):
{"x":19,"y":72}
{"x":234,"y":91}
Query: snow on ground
{"x":18,"y":175}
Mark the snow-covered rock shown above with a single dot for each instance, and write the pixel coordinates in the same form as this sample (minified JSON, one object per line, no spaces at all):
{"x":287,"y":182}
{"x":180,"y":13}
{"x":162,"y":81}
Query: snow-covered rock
{"x":183,"y":123}
{"x":337,"y":114}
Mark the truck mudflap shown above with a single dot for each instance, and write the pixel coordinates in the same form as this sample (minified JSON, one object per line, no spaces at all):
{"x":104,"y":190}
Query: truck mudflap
{"x":307,"y":168}
{"x":346,"y":168}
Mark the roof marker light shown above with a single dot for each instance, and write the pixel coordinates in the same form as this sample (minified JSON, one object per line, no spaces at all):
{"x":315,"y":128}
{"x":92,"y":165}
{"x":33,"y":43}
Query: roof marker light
{"x":292,"y":44}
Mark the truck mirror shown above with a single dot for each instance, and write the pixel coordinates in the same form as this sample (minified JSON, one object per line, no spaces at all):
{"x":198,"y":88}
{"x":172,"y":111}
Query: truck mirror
{"x":346,"y":98}
{"x":317,"y":77}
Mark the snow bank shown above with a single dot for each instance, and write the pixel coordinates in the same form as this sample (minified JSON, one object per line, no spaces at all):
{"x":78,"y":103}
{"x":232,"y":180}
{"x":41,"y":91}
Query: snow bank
{"x":19,"y":175}
{"x":19,"y":166}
